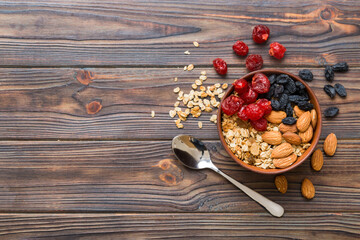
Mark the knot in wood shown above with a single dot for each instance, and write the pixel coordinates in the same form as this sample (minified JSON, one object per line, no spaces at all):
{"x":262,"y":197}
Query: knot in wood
{"x":93,"y":107}
{"x":327,"y":13}
{"x":84,"y":76}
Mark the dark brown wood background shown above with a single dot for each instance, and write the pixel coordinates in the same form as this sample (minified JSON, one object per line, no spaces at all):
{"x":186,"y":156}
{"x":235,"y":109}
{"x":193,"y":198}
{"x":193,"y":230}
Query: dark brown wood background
{"x":67,"y":174}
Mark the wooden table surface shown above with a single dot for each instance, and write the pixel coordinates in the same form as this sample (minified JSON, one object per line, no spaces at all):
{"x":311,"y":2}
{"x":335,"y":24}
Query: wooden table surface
{"x":67,"y":174}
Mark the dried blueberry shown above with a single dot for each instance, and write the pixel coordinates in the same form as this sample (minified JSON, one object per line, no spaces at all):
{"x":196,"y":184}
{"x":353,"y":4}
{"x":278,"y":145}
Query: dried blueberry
{"x":329,"y":74}
{"x":340,"y":67}
{"x":330,"y":90}
{"x":282,"y":79}
{"x":289,"y":120}
{"x":306,"y":75}
{"x":272,"y":79}
{"x":290,"y":86}
{"x":275,"y":104}
{"x":297,"y":98}
{"x":289,"y":110}
{"x":340,"y":89}
{"x":306,"y":106}
{"x":284,"y":99}
{"x":278,"y":90}
{"x":331,"y":112}
{"x":299,"y":85}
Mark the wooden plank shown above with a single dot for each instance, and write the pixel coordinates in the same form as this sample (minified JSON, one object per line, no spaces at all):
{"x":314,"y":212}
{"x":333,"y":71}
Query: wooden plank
{"x":48,"y":103}
{"x":179,"y":226}
{"x":133,"y":176}
{"x":153,"y":33}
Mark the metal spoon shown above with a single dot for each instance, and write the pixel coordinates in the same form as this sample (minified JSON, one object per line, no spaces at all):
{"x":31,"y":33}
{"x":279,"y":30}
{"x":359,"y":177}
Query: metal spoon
{"x":193,"y":154}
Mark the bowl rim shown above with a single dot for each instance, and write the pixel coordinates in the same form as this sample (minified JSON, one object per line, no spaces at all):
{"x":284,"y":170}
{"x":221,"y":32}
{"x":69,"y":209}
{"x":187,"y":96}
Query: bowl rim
{"x":314,"y":141}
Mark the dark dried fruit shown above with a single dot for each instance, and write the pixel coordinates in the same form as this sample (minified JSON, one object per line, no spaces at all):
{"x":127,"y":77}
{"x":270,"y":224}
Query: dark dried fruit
{"x":284,"y":99}
{"x":278,"y":90}
{"x":282,"y":79}
{"x":330,"y":90}
{"x":260,"y":33}
{"x":231,"y":105}
{"x":289,"y":120}
{"x":306,"y":106}
{"x":340,"y":89}
{"x":240,"y":48}
{"x":331,"y":112}
{"x":304,"y":94}
{"x":297,"y":98}
{"x":269,"y":94}
{"x":272,"y":79}
{"x":289,"y":110}
{"x":290,"y":86}
{"x":260,"y":83}
{"x":329,"y":74}
{"x":260,"y":125}
{"x":299,"y":85}
{"x":275,"y":104}
{"x":220,"y":66}
{"x":340,"y":67}
{"x":254,"y":62}
{"x":306,"y":75}
{"x":277,"y":50}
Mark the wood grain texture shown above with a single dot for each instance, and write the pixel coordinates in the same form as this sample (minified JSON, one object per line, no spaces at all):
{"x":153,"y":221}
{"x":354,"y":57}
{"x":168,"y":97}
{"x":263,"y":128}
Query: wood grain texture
{"x":50,"y":103}
{"x":156,"y":33}
{"x":179,"y":226}
{"x":143,"y":176}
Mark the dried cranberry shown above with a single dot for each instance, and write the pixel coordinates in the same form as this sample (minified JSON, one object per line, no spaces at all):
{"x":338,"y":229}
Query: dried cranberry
{"x":241,"y":86}
{"x":250,"y":96}
{"x":240,"y":48}
{"x":260,"y":33}
{"x":254,"y":112}
{"x":231,"y":105}
{"x":260,"y":125}
{"x":242,"y":113}
{"x":220,"y":66}
{"x":254,"y":62}
{"x":277,"y":50}
{"x":265,"y":105}
{"x":260,"y":83}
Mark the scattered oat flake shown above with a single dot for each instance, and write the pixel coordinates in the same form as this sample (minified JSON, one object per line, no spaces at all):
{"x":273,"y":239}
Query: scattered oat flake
{"x":187,"y":53}
{"x":213,"y":118}
{"x":175,"y":79}
{"x":196,"y":44}
{"x":190,"y":67}
{"x":194,"y":86}
{"x":185,"y":68}
{"x":172,"y":113}
{"x":176,"y":90}
{"x":224,"y":86}
{"x":203,"y":77}
{"x":152,"y":114}
{"x":198,"y":82}
{"x":203,"y":73}
{"x":200,"y":124}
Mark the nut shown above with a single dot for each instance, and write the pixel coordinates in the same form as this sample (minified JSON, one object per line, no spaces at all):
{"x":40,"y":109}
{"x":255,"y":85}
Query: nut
{"x":304,"y":121}
{"x":298,"y":111}
{"x":283,"y":150}
{"x":276,"y":116}
{"x":287,"y":128}
{"x":307,"y":135}
{"x":330,"y":144}
{"x":281,"y":183}
{"x":313,"y":118}
{"x":307,"y":189}
{"x":284,"y":162}
{"x":292,"y":138}
{"x":272,"y":137}
{"x":317,"y":160}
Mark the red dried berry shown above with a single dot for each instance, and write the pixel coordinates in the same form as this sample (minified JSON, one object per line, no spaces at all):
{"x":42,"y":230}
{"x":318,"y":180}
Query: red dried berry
{"x":220,"y":66}
{"x":249,"y":96}
{"x":241,"y":86}
{"x":231,"y":105}
{"x":265,"y":105}
{"x":254,"y":112}
{"x":260,"y":33}
{"x":254,"y":62}
{"x":260,"y":83}
{"x":277,"y":50}
{"x":260,"y":125}
{"x":242,"y":113}
{"x":240,"y":48}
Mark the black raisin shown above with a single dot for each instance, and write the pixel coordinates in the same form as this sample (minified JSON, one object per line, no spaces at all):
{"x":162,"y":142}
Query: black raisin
{"x":304,"y":94}
{"x":286,"y":92}
{"x":272,"y":79}
{"x":275,"y":104}
{"x":284,"y":99}
{"x":306,"y":75}
{"x":299,"y":85}
{"x":282,"y":79}
{"x":269,"y":94}
{"x":340,"y":67}
{"x":340,"y":89}
{"x":306,"y":106}
{"x":297,"y":98}
{"x":330,"y":90}
{"x":278,"y":90}
{"x":290,"y":86}
{"x":331,"y":112}
{"x":289,"y":120}
{"x":289,"y":110}
{"x":329,"y":74}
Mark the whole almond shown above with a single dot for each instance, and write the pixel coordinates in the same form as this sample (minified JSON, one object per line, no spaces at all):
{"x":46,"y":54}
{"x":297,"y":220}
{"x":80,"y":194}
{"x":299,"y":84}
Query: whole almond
{"x":317,"y":160}
{"x":307,"y":189}
{"x":298,"y":111}
{"x":313,"y":118}
{"x":272,"y":137}
{"x":304,"y":121}
{"x":283,"y":150}
{"x":284,"y":162}
{"x":287,"y":128}
{"x":276,"y":116}
{"x":330,"y":144}
{"x":292,"y":138}
{"x":307,"y":135}
{"x":281,"y":183}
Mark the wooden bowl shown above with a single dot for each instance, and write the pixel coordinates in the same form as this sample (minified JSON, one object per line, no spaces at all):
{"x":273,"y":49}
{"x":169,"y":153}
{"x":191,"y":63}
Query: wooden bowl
{"x":303,"y":157}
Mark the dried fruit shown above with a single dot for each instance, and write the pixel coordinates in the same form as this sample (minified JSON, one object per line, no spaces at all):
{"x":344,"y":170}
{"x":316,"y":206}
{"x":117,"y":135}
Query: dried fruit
{"x":254,"y":62}
{"x":340,"y":67}
{"x":330,"y":144}
{"x":303,"y":122}
{"x":292,"y":138}
{"x":275,"y":104}
{"x":307,"y":135}
{"x":241,"y":86}
{"x":277,"y":50}
{"x":307,"y":189}
{"x":260,"y":83}
{"x":265,"y":105}
{"x":317,"y":160}
{"x":260,"y":125}
{"x":287,"y":128}
{"x":289,"y":110}
{"x":272,"y":137}
{"x":242,"y":113}
{"x":306,"y":75}
{"x":299,"y":85}
{"x":289,"y":120}
{"x":231,"y":105}
{"x":278,"y":90}
{"x":306,"y":106}
{"x":281,"y":183}
{"x":284,"y":99}
{"x":260,"y":33}
{"x":313,"y":118}
{"x":254,"y":112}
{"x":276,"y":116}
{"x":340,"y":89}
{"x":240,"y":48}
{"x":329,"y":74}
{"x":220,"y":66}
{"x":331,"y":112}
{"x":250,"y":96}
{"x":285,"y":161}
{"x":269,"y":94}
{"x":297,"y":98}
{"x":282,"y":79}
{"x":283,"y":150}
{"x":291,"y":86}
{"x":298,"y":111}
{"x":272,"y":78}
{"x":330,"y":90}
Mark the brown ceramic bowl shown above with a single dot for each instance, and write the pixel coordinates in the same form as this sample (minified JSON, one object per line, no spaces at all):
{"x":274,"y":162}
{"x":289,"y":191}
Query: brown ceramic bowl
{"x":314,"y":141}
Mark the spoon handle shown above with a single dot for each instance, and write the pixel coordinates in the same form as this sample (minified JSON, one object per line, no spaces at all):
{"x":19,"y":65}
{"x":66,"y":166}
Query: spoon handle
{"x":274,"y":208}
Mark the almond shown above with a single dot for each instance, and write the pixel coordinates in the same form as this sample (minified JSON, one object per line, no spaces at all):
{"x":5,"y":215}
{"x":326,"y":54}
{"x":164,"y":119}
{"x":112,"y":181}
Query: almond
{"x":317,"y":160}
{"x":292,"y":138}
{"x":330,"y":144}
{"x":283,"y":150}
{"x":313,"y":118}
{"x":276,"y":116}
{"x":304,"y":121}
{"x":284,"y":162}
{"x":272,"y":137}
{"x":307,"y":189}
{"x":307,"y":135}
{"x":281,"y":183}
{"x":298,"y":111}
{"x":287,"y":128}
